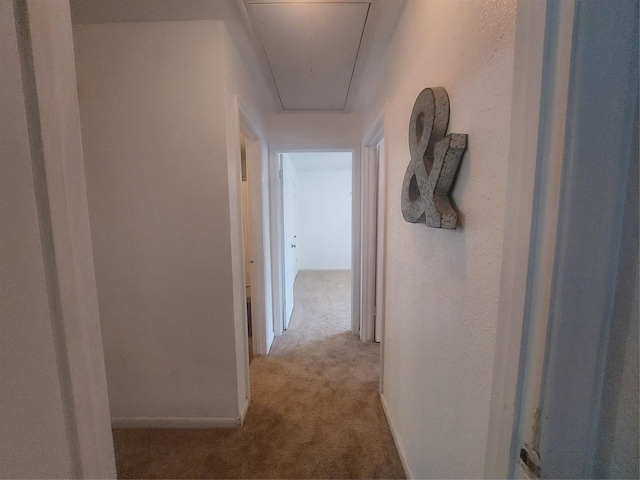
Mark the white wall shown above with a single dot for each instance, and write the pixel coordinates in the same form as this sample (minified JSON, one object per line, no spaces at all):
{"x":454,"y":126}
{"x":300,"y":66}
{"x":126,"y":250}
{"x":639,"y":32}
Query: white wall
{"x":55,"y":413}
{"x":305,"y":131}
{"x":155,"y":136}
{"x":323,"y":210}
{"x":442,"y":286}
{"x":247,"y":99}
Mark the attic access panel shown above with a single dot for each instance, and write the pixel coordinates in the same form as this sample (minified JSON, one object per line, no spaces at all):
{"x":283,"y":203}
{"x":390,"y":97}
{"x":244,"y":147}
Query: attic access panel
{"x":311,"y":49}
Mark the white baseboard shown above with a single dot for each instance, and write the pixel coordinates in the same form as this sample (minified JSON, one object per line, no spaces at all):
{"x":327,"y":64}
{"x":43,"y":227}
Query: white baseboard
{"x":243,"y":412}
{"x":396,"y":438}
{"x":177,"y":422}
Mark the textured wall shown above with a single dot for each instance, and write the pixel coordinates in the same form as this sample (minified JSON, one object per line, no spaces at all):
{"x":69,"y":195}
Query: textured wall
{"x":442,"y":286}
{"x":153,"y":123}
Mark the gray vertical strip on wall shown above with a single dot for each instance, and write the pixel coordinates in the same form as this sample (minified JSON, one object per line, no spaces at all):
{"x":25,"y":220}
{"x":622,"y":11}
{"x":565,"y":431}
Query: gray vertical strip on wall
{"x":598,"y":154}
{"x":46,"y":229}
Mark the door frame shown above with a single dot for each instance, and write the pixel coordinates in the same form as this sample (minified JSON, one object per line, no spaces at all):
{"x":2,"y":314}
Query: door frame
{"x":534,"y":83}
{"x":285,"y":177}
{"x":544,"y":223}
{"x":544,"y":132}
{"x":598,"y":157}
{"x":373,"y":266}
{"x":381,"y":240}
{"x":372,"y":308}
{"x":261,"y":320}
{"x":276,"y":226}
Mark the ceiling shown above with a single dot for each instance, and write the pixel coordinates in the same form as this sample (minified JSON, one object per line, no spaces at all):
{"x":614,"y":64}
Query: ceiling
{"x":316,"y":55}
{"x":311,"y":50}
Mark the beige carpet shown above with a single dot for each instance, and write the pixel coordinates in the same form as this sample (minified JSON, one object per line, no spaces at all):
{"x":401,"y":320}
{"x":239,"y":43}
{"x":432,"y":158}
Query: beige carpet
{"x":315,"y":411}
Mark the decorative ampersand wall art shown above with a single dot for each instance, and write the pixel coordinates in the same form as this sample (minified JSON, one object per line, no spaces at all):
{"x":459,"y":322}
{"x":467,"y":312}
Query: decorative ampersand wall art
{"x":434,"y":162}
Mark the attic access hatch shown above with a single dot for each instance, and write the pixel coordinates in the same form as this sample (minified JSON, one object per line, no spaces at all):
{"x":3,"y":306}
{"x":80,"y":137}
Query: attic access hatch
{"x":311,"y":49}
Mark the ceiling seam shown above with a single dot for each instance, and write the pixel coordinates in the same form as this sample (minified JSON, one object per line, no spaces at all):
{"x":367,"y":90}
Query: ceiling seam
{"x":264,"y":51}
{"x":364,"y":26}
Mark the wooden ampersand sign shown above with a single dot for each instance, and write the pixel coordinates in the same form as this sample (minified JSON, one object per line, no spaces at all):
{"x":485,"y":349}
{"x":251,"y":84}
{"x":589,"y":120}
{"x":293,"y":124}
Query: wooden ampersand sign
{"x":434,"y":162}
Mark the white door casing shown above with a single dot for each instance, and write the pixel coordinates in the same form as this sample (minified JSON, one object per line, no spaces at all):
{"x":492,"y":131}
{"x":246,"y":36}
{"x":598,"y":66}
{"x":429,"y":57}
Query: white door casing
{"x":289,"y":247}
{"x":258,"y":217}
{"x":550,"y":350}
{"x":372,"y":253}
{"x":380,"y":240}
{"x":276,"y":238}
{"x":276,"y":228}
{"x":368,"y":253}
{"x":527,"y":117}
{"x":544,"y":227}
{"x":598,"y":189}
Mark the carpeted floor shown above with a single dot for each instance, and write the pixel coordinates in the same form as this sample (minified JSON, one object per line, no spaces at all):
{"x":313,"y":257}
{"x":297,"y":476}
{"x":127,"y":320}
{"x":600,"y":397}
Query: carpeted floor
{"x":314,"y":413}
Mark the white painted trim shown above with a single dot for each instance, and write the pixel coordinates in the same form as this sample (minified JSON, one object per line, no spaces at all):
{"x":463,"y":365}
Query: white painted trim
{"x":260,"y":321}
{"x":234,"y":174}
{"x":590,"y":254}
{"x":372,"y":139}
{"x":356,"y":240}
{"x":259,"y":318}
{"x":368,"y":239}
{"x":275,"y":232}
{"x":544,"y":225}
{"x":523,"y":153}
{"x":244,"y":410}
{"x":381,"y":222}
{"x":275,"y":228}
{"x":396,"y":439}
{"x":46,"y":48}
{"x":176,"y":422}
{"x":368,"y":245}
{"x":289,"y":234}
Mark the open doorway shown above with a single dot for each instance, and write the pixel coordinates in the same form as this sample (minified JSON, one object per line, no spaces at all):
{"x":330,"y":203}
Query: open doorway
{"x":372,"y":265}
{"x":246,"y":228}
{"x":317,"y":232}
{"x":253,"y":194}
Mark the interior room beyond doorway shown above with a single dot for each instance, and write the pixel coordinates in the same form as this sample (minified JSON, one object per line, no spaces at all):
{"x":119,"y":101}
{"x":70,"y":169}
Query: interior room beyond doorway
{"x":317,"y":216}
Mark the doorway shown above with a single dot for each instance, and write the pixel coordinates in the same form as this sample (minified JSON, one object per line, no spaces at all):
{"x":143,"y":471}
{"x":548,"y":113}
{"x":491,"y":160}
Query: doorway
{"x":372,"y":265}
{"x":246,"y":229}
{"x":315,"y":220}
{"x":253,"y":195}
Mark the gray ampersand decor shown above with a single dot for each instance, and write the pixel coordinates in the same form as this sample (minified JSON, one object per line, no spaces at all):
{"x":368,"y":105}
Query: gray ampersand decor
{"x":434,"y":162}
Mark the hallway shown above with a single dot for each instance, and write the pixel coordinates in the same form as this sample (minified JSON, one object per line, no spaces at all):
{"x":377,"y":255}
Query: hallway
{"x":314,"y":413}
{"x":510,"y":342}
